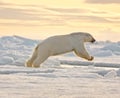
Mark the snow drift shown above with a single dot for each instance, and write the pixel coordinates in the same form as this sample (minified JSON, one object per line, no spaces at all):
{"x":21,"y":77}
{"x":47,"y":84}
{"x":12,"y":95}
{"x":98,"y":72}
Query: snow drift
{"x":63,"y":76}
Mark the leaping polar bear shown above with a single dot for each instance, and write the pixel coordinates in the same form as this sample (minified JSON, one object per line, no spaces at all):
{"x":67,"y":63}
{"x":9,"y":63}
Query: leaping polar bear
{"x":61,"y":44}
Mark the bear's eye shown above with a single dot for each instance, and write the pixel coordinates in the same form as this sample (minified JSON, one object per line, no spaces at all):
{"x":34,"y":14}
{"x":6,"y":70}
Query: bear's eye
{"x":88,"y":36}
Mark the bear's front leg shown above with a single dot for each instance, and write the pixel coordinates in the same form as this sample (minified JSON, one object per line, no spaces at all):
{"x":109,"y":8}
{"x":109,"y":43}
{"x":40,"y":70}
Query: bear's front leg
{"x":91,"y":58}
{"x":81,"y":52}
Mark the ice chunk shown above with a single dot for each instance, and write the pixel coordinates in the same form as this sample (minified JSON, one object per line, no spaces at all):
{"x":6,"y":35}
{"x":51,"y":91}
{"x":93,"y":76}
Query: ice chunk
{"x":113,"y":47}
{"x":118,"y":72}
{"x":103,"y":53}
{"x":111,"y":74}
{"x":6,"y":60}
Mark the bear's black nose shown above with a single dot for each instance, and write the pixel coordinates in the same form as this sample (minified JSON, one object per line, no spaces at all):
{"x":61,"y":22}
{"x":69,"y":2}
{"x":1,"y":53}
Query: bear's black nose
{"x":93,"y":40}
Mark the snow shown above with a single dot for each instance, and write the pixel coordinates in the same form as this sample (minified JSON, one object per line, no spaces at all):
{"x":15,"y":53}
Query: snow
{"x":64,"y":76}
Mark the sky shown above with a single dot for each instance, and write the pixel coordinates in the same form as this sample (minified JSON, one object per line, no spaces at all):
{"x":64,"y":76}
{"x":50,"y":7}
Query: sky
{"x":39,"y":19}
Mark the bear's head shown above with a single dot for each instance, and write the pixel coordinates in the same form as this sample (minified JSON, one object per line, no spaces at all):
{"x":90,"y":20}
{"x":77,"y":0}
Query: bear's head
{"x":85,"y":37}
{"x":88,"y":38}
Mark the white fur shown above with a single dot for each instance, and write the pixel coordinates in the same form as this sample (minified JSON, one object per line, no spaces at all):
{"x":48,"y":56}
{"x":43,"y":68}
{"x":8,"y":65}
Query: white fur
{"x":58,"y":45}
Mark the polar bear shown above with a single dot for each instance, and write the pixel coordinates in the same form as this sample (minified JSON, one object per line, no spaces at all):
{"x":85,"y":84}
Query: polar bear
{"x":60,"y":44}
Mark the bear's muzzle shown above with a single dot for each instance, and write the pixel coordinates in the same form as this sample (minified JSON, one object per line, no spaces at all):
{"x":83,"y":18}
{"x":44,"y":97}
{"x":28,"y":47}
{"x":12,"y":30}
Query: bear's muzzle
{"x":93,"y":40}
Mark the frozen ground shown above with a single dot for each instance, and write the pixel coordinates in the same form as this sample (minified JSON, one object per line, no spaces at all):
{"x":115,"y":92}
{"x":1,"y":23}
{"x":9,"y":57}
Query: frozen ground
{"x":65,"y":76}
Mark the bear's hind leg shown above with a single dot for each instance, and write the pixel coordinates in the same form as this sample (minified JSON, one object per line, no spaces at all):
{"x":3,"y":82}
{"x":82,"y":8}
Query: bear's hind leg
{"x":31,"y":60}
{"x":39,"y":60}
{"x":28,"y":63}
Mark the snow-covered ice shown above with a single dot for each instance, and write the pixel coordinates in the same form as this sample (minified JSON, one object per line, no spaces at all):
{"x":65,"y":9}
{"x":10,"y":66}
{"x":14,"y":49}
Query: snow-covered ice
{"x":64,"y":76}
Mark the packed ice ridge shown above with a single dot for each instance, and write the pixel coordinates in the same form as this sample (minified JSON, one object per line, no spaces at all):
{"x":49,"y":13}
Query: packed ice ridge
{"x":15,"y":50}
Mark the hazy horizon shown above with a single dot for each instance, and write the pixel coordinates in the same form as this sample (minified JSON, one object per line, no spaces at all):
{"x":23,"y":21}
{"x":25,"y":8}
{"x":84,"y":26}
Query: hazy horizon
{"x":39,"y":19}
